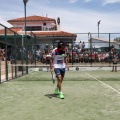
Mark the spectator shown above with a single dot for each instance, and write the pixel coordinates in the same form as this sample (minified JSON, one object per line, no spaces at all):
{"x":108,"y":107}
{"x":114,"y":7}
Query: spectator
{"x":102,"y":57}
{"x":23,"y":52}
{"x":74,"y":49}
{"x":1,"y":54}
{"x":30,"y":57}
{"x":80,"y":45}
{"x":74,"y":44}
{"x":86,"y":58}
{"x":44,"y":57}
{"x":12,"y":59}
{"x":115,"y":60}
{"x":48,"y":56}
{"x":112,"y":50}
{"x":106,"y":56}
{"x":46,"y":48}
{"x":83,"y":45}
{"x":70,"y":47}
{"x":38,"y":55}
{"x":78,"y":50}
{"x":96,"y":57}
{"x":33,"y":54}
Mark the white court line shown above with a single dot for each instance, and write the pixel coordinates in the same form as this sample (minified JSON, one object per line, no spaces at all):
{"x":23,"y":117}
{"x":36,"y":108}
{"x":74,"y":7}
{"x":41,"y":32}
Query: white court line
{"x":104,"y":83}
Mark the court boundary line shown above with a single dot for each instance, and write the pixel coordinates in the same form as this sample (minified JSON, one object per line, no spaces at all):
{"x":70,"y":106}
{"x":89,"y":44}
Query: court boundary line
{"x":104,"y":83}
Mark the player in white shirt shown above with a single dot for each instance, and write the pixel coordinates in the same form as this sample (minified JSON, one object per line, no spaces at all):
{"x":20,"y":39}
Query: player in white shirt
{"x":58,"y":61}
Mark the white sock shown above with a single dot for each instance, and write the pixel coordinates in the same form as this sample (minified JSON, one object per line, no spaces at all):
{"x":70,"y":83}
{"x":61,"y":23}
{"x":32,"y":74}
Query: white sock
{"x":60,"y":92}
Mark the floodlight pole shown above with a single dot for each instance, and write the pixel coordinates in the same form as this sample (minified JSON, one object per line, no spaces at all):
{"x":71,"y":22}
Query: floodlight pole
{"x":25,"y":2}
{"x":25,"y":18}
{"x":98,"y":27}
{"x":89,"y":39}
{"x":88,"y":35}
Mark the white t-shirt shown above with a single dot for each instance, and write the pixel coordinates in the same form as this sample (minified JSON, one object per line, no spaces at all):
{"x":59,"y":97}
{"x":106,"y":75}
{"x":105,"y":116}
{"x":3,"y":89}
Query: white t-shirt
{"x":58,"y":58}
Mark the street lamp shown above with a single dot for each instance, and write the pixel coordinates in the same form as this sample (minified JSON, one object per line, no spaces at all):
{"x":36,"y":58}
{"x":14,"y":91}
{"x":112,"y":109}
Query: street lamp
{"x":25,"y":2}
{"x":98,"y":27}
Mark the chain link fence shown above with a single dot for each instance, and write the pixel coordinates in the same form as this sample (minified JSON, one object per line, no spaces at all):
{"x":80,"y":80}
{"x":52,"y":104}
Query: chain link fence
{"x":82,"y":49}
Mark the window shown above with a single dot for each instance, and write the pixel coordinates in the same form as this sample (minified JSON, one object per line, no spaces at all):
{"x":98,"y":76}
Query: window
{"x":33,"y":28}
{"x":44,"y":24}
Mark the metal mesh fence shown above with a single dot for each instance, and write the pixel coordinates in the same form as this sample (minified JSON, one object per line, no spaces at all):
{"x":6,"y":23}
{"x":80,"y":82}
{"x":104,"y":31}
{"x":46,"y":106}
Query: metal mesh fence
{"x":83,"y":50}
{"x":13,"y":49}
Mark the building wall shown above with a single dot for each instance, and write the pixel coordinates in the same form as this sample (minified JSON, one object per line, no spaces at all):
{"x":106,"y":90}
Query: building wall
{"x":39,"y":23}
{"x":98,"y":44}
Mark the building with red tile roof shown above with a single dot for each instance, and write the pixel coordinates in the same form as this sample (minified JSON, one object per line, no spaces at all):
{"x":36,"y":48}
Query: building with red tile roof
{"x":45,"y":31}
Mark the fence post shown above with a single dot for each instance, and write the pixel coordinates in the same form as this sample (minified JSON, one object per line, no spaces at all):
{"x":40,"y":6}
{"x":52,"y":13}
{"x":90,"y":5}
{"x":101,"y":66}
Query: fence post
{"x":0,"y":71}
{"x":15,"y":55}
{"x":72,"y":49}
{"x":109,"y":49}
{"x":6,"y":64}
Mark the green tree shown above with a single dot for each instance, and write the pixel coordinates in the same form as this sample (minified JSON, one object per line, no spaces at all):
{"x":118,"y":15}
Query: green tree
{"x":117,"y":39}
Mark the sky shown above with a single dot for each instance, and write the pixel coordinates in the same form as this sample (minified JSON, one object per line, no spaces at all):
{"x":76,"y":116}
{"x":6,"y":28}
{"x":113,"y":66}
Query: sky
{"x":77,"y":16}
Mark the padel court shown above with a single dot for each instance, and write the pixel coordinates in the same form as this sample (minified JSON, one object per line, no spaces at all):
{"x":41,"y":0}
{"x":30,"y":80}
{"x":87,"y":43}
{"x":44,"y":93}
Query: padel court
{"x":89,"y":95}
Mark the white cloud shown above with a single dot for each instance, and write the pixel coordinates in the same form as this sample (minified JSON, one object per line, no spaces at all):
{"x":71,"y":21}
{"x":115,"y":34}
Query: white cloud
{"x":110,"y":1}
{"x":79,"y":20}
{"x":47,"y":1}
{"x":87,"y":0}
{"x":72,"y":20}
{"x":73,"y":1}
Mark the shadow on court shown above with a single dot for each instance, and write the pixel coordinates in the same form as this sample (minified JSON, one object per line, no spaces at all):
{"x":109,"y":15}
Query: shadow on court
{"x":51,"y":96}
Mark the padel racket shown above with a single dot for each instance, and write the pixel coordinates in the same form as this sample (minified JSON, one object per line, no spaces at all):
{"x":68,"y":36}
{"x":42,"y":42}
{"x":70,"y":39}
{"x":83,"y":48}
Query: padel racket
{"x":53,"y":78}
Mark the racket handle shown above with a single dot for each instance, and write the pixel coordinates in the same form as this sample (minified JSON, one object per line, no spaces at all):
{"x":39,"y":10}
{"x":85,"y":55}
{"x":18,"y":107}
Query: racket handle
{"x":53,"y":77}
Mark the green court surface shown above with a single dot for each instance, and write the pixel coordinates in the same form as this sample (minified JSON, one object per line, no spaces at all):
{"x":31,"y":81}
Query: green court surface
{"x":89,"y":95}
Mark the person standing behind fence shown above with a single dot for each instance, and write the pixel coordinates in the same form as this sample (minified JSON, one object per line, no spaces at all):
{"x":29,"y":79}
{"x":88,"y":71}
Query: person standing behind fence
{"x":83,"y":45}
{"x":1,"y":55}
{"x":115,"y":60}
{"x":80,"y":45}
{"x":38,"y":55}
{"x":23,"y":52}
{"x":33,"y":55}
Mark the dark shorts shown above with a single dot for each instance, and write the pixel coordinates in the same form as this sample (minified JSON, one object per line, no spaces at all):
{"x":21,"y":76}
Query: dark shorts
{"x":114,"y":64}
{"x":59,"y":71}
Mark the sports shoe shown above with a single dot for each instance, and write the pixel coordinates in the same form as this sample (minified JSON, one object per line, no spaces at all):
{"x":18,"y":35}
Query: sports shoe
{"x":61,"y":96}
{"x":56,"y":91}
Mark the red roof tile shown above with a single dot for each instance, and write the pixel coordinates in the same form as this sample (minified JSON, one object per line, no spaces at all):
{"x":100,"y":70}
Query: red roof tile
{"x":10,"y":30}
{"x":16,"y":29}
{"x":39,"y":33}
{"x":55,"y":33}
{"x":31,"y":18}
